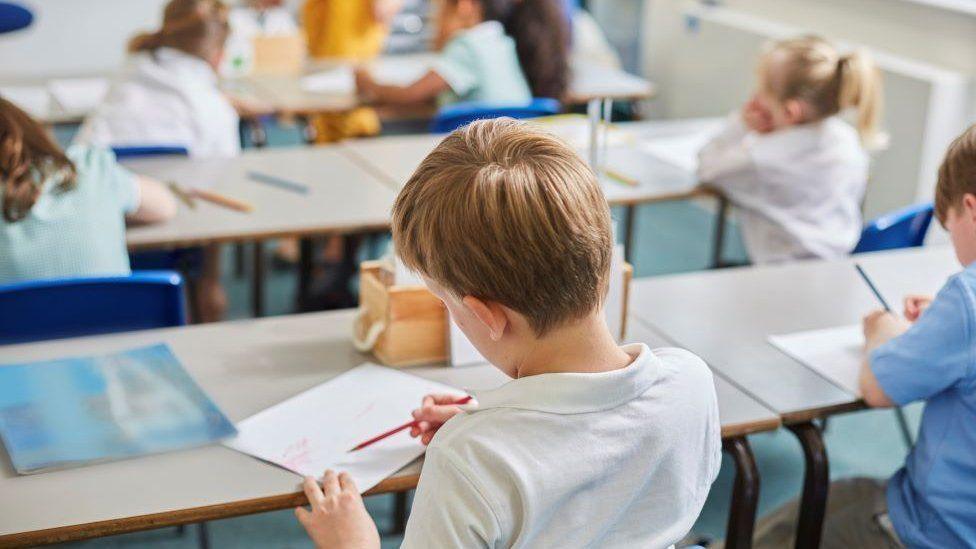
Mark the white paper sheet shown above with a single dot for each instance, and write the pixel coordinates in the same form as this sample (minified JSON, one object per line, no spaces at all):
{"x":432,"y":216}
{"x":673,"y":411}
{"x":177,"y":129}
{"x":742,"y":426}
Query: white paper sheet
{"x":339,"y":81}
{"x":679,"y":150}
{"x":34,"y":100}
{"x":78,"y":95}
{"x":399,"y":72}
{"x":834,"y":353}
{"x":315,"y":430}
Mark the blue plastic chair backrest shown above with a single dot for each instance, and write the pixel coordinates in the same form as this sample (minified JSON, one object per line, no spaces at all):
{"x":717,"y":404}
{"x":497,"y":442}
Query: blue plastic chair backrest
{"x":149,"y":150}
{"x":14,"y":17}
{"x":904,"y":228}
{"x":454,"y":116}
{"x":71,"y":307}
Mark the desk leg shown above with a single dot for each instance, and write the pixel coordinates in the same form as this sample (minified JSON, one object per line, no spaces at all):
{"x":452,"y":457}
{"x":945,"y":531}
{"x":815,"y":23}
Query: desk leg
{"x":309,"y":134}
{"x":204,"y":536}
{"x":401,"y":512}
{"x":745,"y":494}
{"x":628,"y":236}
{"x":257,"y":283}
{"x":816,"y":482}
{"x":305,"y":261}
{"x":718,"y":237}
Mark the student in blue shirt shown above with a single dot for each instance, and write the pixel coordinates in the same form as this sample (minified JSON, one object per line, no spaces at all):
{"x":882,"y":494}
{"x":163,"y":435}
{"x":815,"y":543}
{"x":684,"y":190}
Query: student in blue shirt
{"x":491,"y":51}
{"x":929,"y":355}
{"x":64,"y":212}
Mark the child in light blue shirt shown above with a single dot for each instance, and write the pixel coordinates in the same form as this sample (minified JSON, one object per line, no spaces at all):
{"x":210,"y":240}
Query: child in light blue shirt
{"x":498,"y":52}
{"x":64,"y":213}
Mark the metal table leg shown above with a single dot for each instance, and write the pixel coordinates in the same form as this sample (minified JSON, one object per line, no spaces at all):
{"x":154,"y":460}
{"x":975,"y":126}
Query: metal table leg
{"x":628,"y":236}
{"x":718,"y":237}
{"x":305,"y":264}
{"x":816,"y":482}
{"x":745,"y":494}
{"x":401,"y":512}
{"x":257,"y":283}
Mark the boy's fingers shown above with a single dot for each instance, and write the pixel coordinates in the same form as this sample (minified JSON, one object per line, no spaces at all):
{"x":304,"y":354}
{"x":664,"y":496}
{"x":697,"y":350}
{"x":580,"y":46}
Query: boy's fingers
{"x":427,"y":438}
{"x":436,"y":414}
{"x":443,"y":398}
{"x":330,"y":484}
{"x":347,"y":483}
{"x":302,"y":515}
{"x":312,"y":491}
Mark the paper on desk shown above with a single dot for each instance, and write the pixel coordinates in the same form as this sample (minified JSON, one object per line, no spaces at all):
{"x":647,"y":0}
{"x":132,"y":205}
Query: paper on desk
{"x":34,"y":100}
{"x":313,"y":431}
{"x":834,"y":353}
{"x":78,"y":94}
{"x":679,"y":150}
{"x":339,"y":80}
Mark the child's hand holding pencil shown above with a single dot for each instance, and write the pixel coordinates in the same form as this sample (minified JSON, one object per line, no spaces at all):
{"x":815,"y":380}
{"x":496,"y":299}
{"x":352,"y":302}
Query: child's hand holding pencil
{"x":433,"y":413}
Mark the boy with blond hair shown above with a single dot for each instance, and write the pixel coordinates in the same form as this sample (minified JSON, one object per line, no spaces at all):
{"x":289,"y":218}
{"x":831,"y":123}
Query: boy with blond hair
{"x":930,"y":356}
{"x":591,"y":444}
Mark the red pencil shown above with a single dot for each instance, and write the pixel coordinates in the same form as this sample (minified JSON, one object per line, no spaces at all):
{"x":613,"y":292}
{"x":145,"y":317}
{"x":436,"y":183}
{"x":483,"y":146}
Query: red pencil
{"x":396,"y":430}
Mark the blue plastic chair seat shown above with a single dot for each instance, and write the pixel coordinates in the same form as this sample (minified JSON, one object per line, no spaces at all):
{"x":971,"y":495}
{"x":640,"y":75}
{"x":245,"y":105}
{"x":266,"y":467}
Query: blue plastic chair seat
{"x":14,"y":17}
{"x":72,"y":307}
{"x":904,"y":228}
{"x":140,"y":151}
{"x":454,"y":116}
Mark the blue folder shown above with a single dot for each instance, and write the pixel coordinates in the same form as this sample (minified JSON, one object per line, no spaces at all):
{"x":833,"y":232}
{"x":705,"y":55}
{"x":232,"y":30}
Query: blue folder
{"x":75,"y":411}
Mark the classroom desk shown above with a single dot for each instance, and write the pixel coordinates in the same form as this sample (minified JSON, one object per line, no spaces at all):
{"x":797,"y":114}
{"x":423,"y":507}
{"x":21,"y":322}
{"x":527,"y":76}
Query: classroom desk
{"x":245,"y":366}
{"x":284,"y":94}
{"x":725,"y":317}
{"x":394,"y":159}
{"x":343,"y":198}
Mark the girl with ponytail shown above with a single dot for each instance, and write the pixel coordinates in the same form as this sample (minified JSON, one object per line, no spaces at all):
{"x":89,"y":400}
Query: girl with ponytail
{"x":492,"y":51}
{"x":788,"y":160}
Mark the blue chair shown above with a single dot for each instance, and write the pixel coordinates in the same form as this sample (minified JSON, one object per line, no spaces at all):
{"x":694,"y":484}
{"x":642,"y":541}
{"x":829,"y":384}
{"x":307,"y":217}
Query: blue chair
{"x":14,"y":17}
{"x":140,"y":151}
{"x":904,"y":228}
{"x":55,"y":308}
{"x":454,"y":116}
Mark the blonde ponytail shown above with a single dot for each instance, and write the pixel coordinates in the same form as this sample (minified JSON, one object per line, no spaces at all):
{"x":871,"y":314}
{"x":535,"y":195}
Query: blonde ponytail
{"x":860,"y":88}
{"x":811,"y":70}
{"x":196,"y":27}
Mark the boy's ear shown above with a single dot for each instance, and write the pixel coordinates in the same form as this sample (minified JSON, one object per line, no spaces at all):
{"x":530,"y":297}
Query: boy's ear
{"x":491,"y":314}
{"x":795,"y":111}
{"x":969,"y":207}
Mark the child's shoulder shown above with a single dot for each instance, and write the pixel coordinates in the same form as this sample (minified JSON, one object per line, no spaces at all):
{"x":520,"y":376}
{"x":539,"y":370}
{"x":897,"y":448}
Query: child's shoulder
{"x":683,"y":363}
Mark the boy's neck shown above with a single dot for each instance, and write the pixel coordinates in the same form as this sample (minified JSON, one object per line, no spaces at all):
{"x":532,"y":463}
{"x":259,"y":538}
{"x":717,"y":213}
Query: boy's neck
{"x":582,"y":347}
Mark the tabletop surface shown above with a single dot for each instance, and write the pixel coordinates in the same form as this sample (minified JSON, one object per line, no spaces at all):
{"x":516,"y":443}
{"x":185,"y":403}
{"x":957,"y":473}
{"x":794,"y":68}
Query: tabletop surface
{"x":334,"y":183}
{"x":725,"y":317}
{"x":394,"y":158}
{"x":245,"y":366}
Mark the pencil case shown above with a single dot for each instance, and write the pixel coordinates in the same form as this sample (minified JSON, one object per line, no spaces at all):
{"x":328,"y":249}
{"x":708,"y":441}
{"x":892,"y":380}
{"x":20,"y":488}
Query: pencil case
{"x":407,"y":325}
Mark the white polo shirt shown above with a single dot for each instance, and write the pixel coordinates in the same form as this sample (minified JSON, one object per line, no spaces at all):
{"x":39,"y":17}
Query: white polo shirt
{"x":614,"y":459}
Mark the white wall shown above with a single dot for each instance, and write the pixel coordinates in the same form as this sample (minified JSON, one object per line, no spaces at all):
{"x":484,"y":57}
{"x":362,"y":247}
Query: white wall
{"x":75,"y":36}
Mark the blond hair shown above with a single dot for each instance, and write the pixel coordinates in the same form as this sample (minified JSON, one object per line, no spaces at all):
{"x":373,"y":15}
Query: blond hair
{"x":957,"y":174}
{"x":196,"y":27}
{"x":810,"y":69}
{"x":506,"y":212}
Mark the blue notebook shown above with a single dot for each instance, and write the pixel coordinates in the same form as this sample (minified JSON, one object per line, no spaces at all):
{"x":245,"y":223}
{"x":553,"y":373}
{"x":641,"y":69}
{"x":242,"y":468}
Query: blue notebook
{"x":75,"y":411}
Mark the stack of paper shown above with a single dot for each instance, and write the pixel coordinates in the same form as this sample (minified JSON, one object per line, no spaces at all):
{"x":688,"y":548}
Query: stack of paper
{"x":78,"y":95}
{"x":834,"y":353}
{"x":315,"y":430}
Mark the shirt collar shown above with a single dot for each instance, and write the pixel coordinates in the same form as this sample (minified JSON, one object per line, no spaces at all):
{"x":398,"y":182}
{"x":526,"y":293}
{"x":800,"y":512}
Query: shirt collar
{"x":190,"y":63}
{"x":576,"y":393}
{"x":486,"y":29}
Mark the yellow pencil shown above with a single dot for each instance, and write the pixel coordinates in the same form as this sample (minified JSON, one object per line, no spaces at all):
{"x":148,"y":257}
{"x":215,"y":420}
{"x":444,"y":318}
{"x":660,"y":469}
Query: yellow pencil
{"x":222,"y":200}
{"x":625,"y":179}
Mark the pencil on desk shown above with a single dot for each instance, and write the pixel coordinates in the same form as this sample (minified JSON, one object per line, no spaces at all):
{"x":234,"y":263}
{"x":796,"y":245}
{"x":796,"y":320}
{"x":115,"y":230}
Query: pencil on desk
{"x":279,"y":182}
{"x":873,"y":288}
{"x":396,"y":430}
{"x":625,"y":179}
{"x":221,"y":200}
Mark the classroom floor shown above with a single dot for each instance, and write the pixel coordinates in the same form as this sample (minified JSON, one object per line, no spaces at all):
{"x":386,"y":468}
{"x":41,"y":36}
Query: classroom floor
{"x":670,"y":238}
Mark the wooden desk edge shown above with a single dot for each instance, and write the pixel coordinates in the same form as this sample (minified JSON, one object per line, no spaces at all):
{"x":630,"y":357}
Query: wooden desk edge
{"x":185,"y":516}
{"x":737,"y":430}
{"x":805,"y":416}
{"x":258,"y":236}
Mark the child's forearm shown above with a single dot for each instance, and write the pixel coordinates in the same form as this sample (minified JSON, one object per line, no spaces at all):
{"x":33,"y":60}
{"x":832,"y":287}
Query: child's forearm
{"x":421,"y":91}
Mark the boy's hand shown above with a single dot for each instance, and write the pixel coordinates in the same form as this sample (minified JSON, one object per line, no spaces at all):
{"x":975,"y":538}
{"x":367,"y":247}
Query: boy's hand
{"x":338,"y":517}
{"x":365,"y":85}
{"x":881,"y":326}
{"x":434,"y":412}
{"x":756,"y":117}
{"x":915,"y":305}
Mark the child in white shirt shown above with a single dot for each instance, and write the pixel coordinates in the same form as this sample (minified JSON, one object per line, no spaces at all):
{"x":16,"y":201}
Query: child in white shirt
{"x":796,"y":171}
{"x":591,"y":444}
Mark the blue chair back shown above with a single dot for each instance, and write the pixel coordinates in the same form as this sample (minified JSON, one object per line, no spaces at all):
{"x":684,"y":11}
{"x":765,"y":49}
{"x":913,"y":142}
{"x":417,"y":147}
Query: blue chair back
{"x":14,"y":17}
{"x":72,"y":307}
{"x":454,"y":116}
{"x":149,"y":150}
{"x":904,"y":228}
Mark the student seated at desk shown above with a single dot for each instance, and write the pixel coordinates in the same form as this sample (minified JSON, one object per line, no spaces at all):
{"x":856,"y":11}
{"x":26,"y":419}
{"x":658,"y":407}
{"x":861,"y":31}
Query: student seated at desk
{"x":793,"y":167}
{"x":591,"y":444}
{"x":492,"y":51}
{"x":168,"y":95}
{"x":926,"y":356}
{"x":64,"y":212}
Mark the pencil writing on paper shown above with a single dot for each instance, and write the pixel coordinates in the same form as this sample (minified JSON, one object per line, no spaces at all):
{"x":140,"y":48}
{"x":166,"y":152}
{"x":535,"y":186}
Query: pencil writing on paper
{"x":399,"y":428}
